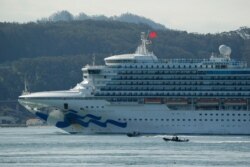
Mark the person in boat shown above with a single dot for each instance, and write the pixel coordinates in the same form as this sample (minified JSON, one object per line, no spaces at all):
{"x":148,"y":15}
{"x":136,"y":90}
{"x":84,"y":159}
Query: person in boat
{"x":175,"y":138}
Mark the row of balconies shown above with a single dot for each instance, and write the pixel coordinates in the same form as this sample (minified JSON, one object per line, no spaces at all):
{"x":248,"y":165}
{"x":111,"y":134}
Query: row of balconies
{"x":173,"y":88}
{"x":179,"y":83}
{"x":172,"y":93}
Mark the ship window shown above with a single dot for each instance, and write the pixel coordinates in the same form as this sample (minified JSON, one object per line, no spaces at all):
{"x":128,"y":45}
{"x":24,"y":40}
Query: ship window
{"x":92,"y":106}
{"x":228,"y":120}
{"x":66,"y":106}
{"x":244,"y":120}
{"x":146,"y":119}
{"x":200,"y":119}
{"x":172,"y":119}
{"x":211,"y":114}
{"x":87,"y":106}
{"x":81,"y":108}
{"x":205,"y":119}
{"x":124,"y":119}
{"x":239,"y":120}
{"x":222,"y":119}
{"x":183,"y":119}
{"x":194,"y":119}
{"x":216,"y":120}
{"x":227,"y":114}
{"x":222,"y":114}
{"x":211,"y":119}
{"x":233,"y":120}
{"x":233,"y":114}
{"x":238,"y":114}
{"x":135,"y":119}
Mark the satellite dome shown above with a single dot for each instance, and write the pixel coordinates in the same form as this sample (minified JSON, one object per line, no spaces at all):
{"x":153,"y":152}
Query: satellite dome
{"x":225,"y":50}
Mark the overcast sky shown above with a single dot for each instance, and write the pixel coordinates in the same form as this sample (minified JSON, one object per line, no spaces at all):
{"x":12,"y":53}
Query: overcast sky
{"x":203,"y":16}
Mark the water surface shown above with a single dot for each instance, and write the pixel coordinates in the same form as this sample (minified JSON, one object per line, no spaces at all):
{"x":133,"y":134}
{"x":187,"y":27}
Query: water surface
{"x":49,"y":146}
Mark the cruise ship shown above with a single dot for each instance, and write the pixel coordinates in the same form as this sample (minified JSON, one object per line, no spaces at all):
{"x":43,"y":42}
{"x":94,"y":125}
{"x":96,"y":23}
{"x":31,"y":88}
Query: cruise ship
{"x":140,"y":93}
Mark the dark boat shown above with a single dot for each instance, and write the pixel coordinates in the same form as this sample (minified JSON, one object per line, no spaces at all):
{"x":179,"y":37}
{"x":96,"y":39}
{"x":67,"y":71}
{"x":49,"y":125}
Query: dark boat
{"x":175,"y":139}
{"x":133,"y":134}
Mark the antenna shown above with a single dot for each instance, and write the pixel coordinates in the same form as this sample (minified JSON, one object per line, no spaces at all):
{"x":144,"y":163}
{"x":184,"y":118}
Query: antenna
{"x":25,"y":91}
{"x":93,"y":60}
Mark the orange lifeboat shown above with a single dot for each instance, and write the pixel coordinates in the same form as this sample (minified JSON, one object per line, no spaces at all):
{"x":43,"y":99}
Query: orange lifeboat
{"x":176,"y":101}
{"x":207,"y":102}
{"x":235,"y":102}
{"x":152,"y":101}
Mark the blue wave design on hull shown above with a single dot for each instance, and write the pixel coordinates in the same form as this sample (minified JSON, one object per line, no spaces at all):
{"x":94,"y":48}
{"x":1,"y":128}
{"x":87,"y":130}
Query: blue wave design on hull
{"x":86,"y":124}
{"x":42,"y":116}
{"x":73,"y":118}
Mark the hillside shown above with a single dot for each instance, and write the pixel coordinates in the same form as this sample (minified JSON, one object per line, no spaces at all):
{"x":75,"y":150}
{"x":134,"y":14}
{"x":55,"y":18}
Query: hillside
{"x":49,"y":55}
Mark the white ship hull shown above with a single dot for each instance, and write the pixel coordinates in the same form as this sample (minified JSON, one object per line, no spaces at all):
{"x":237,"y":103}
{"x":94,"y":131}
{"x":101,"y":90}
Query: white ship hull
{"x":104,"y":118}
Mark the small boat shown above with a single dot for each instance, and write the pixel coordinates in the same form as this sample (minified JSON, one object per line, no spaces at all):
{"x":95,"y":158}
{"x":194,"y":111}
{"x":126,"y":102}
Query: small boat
{"x":175,"y":139}
{"x":133,"y":134}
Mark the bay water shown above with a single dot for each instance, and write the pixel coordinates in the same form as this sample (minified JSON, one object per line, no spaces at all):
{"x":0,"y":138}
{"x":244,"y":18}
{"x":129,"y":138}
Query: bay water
{"x":51,"y":147}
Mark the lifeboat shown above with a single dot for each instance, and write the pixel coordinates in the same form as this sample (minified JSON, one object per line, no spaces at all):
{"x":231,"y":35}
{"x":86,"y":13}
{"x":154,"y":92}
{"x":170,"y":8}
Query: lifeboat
{"x":152,"y":100}
{"x":207,"y":102}
{"x":235,"y":102}
{"x":176,"y":101}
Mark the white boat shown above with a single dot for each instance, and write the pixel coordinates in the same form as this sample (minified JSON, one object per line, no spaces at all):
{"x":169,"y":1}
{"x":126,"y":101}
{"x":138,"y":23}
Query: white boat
{"x":140,"y":93}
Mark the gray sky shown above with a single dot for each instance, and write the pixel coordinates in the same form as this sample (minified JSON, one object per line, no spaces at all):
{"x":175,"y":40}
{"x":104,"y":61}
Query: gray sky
{"x":201,"y":16}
